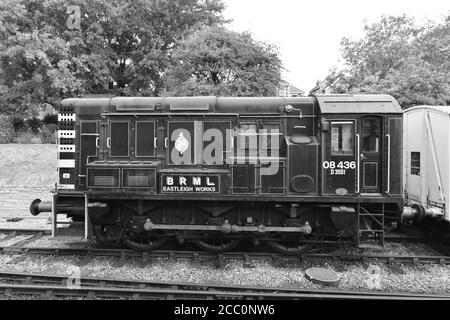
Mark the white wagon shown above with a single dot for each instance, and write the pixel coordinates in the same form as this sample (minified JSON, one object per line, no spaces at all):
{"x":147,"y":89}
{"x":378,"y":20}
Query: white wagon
{"x":426,"y":154}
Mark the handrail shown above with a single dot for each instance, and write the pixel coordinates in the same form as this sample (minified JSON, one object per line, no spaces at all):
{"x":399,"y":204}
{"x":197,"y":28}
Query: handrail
{"x":388,"y":189}
{"x":358,"y":161}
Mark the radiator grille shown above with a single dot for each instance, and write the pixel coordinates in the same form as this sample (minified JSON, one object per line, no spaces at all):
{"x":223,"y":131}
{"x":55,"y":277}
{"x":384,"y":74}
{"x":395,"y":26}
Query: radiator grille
{"x":103,"y":177}
{"x":137,"y":181}
{"x":139,"y":178}
{"x":104,"y":181}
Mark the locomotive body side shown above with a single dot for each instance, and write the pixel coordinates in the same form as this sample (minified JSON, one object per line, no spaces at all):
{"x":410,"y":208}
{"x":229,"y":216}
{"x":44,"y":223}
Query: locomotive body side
{"x":216,"y":170}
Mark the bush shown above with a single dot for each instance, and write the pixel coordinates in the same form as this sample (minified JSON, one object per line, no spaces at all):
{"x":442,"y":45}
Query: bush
{"x":49,"y":133}
{"x":34,"y":124}
{"x":52,"y":127}
{"x":28,"y":137}
{"x":6,"y":129}
{"x":50,"y":118}
{"x":18,"y":123}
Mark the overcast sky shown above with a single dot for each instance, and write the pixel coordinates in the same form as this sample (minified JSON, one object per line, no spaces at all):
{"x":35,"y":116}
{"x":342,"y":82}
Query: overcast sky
{"x":308,"y":33}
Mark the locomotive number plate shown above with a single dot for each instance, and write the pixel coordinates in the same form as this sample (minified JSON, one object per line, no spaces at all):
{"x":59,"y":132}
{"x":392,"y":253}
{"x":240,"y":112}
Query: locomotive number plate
{"x":171,"y":183}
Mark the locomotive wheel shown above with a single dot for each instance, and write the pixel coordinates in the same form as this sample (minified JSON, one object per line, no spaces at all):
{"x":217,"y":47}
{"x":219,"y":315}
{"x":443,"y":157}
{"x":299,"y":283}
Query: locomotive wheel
{"x":290,"y":247}
{"x":101,"y":236}
{"x":217,"y":245}
{"x":144,"y":242}
{"x":288,"y":244}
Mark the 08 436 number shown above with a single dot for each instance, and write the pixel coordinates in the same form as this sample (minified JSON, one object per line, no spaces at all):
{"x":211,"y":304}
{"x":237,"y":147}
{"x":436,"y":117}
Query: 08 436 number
{"x":340,"y":165}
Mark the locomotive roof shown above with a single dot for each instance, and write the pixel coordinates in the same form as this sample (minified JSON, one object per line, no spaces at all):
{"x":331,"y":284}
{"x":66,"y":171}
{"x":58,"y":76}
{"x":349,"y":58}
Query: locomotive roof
{"x":188,"y":104}
{"x":327,"y":104}
{"x":367,"y":103}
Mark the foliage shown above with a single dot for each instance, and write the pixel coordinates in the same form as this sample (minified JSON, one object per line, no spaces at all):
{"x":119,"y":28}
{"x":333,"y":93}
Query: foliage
{"x":18,"y":123}
{"x":6,"y":129}
{"x":216,"y":61}
{"x":34,"y":124}
{"x":27,"y":138}
{"x":49,"y":133}
{"x":50,"y":128}
{"x":397,"y":57}
{"x":50,"y":118}
{"x":122,"y":47}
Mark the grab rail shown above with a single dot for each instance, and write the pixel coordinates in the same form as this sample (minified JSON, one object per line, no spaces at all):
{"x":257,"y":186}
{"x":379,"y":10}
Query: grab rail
{"x":358,"y":161}
{"x":388,"y":189}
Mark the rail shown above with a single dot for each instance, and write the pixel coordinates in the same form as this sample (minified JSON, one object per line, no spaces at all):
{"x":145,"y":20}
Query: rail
{"x":53,"y":285}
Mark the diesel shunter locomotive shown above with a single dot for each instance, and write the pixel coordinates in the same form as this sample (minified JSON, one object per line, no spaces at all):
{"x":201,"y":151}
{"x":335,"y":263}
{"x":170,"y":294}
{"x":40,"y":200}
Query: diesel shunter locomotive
{"x":290,"y":172}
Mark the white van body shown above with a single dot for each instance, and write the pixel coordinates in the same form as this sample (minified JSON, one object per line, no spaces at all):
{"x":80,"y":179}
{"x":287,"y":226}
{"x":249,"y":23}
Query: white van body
{"x":426,"y":154}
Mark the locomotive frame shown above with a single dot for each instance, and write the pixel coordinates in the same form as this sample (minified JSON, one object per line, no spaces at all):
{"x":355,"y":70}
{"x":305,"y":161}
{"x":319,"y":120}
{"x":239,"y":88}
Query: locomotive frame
{"x":328,"y":148}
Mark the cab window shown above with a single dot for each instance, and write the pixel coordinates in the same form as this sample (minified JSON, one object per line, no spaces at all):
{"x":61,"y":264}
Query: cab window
{"x":342,"y":138}
{"x":370,"y":135}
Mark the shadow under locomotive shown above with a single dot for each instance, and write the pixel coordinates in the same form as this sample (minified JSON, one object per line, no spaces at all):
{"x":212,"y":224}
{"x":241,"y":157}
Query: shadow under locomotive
{"x":289,"y":172}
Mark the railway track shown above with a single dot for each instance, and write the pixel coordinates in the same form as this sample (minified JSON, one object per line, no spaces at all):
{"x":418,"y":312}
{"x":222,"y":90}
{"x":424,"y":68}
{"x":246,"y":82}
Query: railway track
{"x":51,"y":286}
{"x":20,"y":248}
{"x":247,"y":257}
{"x":24,"y":231}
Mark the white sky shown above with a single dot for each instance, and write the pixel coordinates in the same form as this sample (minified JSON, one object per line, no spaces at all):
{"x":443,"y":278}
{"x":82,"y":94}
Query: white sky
{"x":308,"y":33}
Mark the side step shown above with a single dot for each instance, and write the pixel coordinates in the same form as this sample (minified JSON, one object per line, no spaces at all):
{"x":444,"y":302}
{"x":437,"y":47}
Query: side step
{"x":370,"y":227}
{"x":74,"y":230}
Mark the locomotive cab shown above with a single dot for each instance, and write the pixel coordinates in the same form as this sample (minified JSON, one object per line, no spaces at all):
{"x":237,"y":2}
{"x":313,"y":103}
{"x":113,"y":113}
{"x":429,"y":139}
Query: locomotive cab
{"x":361,"y":146}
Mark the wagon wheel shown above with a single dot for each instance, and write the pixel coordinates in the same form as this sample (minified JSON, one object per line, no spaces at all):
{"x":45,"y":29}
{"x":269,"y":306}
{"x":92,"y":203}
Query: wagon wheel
{"x":144,"y":242}
{"x":289,"y":244}
{"x":218,"y":244}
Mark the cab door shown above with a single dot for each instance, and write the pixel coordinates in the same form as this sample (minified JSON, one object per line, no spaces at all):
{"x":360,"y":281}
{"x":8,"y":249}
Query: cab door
{"x":370,"y":154}
{"x":339,"y":157}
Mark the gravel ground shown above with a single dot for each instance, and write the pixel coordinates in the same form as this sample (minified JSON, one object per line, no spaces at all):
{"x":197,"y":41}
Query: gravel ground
{"x":12,"y":241}
{"x":372,"y":277}
{"x":392,"y":249}
{"x":49,"y":242}
{"x":43,"y":224}
{"x":354,"y":276}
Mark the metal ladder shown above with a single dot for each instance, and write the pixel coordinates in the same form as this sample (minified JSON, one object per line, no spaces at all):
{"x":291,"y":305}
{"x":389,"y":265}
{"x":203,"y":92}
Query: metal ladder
{"x":370,"y":235}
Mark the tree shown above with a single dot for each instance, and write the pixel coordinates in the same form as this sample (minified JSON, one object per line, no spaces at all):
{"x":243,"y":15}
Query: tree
{"x":36,"y":67}
{"x":397,"y":57}
{"x":51,"y":49}
{"x":216,"y":61}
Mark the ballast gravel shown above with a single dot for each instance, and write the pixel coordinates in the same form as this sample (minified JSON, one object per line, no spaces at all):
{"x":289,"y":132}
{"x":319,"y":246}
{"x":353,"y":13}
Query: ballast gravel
{"x":354,"y":276}
{"x":49,"y":242}
{"x":12,"y":241}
